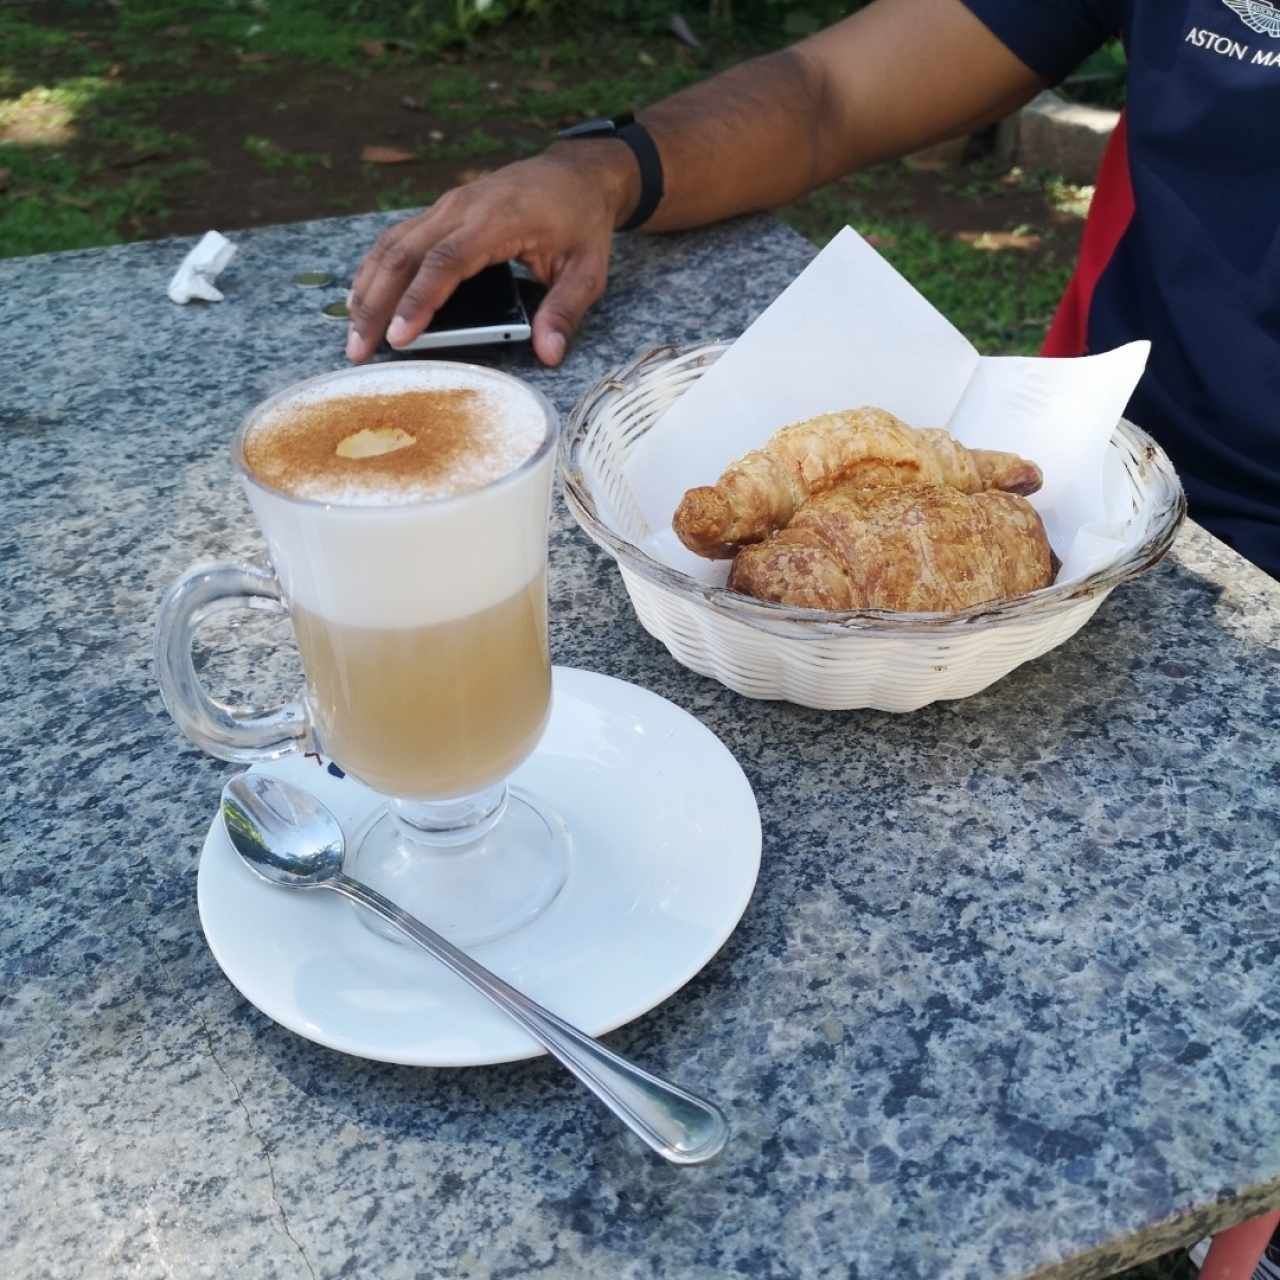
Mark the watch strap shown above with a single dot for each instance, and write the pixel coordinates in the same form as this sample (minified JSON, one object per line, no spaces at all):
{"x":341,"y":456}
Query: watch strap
{"x":626,"y":128}
{"x":645,"y":150}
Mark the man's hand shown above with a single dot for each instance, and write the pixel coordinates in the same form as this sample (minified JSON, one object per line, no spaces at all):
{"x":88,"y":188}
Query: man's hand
{"x":555,"y":213}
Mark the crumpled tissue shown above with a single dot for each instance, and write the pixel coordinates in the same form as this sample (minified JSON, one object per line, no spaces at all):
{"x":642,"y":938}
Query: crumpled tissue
{"x":200,"y":268}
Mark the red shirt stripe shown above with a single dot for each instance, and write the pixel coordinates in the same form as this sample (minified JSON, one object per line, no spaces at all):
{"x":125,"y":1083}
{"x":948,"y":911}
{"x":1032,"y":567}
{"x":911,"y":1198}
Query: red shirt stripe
{"x":1109,"y":216}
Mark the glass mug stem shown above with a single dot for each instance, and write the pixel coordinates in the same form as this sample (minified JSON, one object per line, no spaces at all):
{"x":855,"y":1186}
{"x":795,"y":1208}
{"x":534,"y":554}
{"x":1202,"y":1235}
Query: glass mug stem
{"x":446,"y":824}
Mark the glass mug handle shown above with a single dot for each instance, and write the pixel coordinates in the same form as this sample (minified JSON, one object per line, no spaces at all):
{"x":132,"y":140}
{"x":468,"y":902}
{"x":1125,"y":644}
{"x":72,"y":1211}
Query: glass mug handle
{"x":243,"y":734}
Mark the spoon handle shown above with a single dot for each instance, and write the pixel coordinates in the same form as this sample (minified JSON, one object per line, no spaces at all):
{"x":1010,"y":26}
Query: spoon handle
{"x":677,"y":1124}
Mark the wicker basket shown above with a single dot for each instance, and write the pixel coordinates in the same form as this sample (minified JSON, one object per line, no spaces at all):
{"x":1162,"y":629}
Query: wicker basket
{"x":833,"y":661}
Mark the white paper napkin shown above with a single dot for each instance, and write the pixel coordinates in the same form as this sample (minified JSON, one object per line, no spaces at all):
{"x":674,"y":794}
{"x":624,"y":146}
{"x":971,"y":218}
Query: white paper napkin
{"x":850,"y":331}
{"x":200,"y":268}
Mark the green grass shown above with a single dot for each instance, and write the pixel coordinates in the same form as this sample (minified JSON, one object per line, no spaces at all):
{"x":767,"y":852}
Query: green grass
{"x":58,"y":197}
{"x":276,"y":159}
{"x":406,"y":194}
{"x":575,"y":98}
{"x":50,"y":205}
{"x":476,"y":144}
{"x":104,"y":166}
{"x":290,"y":29}
{"x":87,"y":166}
{"x":460,"y":92}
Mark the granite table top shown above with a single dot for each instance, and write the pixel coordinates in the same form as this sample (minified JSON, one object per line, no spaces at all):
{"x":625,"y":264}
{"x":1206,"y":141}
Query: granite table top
{"x":1006,"y":1001}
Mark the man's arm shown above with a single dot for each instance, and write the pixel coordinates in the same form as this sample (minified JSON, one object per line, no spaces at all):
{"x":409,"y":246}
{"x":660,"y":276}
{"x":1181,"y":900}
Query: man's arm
{"x":895,"y":77}
{"x":892,"y":78}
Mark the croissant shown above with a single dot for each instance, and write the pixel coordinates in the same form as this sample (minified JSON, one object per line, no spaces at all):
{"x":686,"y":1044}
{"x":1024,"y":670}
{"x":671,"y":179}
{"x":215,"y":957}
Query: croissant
{"x":762,"y":491}
{"x":915,"y":548}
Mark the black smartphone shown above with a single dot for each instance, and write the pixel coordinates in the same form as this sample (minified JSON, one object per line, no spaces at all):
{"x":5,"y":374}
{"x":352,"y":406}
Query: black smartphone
{"x":486,"y":308}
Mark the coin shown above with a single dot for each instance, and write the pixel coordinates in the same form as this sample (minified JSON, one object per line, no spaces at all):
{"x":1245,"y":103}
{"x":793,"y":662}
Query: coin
{"x":312,"y":279}
{"x":335,"y":311}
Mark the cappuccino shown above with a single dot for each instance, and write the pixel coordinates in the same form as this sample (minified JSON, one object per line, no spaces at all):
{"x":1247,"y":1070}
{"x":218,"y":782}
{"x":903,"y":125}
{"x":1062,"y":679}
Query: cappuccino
{"x":431,"y":712}
{"x":405,"y":510}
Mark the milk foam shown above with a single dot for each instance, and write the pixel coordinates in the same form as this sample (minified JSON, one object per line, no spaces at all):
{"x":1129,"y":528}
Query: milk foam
{"x":374,"y":562}
{"x":504,"y":425}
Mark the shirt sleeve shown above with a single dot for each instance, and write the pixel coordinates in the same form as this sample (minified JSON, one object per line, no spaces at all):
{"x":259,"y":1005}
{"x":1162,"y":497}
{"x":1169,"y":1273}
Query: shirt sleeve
{"x":1051,"y":36}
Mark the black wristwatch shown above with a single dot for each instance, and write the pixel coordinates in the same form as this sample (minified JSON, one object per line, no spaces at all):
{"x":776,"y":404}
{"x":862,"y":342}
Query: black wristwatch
{"x":626,"y":128}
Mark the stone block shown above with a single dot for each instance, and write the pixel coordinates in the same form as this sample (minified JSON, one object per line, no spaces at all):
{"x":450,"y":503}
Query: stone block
{"x":1057,"y":136}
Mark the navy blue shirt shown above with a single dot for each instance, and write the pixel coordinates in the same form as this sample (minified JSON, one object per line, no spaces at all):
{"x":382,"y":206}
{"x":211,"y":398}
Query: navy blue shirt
{"x":1192,"y":230}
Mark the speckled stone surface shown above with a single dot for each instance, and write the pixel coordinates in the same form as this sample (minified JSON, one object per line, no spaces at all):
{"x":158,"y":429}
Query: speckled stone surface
{"x":1006,"y":1001}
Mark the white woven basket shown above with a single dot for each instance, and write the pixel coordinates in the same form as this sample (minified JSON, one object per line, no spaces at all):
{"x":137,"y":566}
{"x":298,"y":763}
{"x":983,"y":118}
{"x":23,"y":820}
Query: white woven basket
{"x":834,"y":661}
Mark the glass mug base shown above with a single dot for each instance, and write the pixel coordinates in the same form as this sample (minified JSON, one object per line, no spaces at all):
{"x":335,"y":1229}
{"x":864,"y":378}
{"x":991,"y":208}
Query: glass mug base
{"x":474,"y":870}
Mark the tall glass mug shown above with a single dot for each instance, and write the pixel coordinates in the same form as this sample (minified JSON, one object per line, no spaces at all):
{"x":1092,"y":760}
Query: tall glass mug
{"x":405,"y":510}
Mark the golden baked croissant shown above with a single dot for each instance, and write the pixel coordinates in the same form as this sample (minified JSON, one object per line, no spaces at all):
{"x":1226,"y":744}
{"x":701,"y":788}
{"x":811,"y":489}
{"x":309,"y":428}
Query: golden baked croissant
{"x":914,"y":548}
{"x":763,"y":490}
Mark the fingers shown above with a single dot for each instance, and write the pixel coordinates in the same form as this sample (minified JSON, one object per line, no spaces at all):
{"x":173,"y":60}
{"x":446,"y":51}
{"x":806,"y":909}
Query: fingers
{"x":443,"y":267}
{"x":579,"y":283}
{"x":368,"y":264}
{"x":379,"y":282}
{"x":410,"y":272}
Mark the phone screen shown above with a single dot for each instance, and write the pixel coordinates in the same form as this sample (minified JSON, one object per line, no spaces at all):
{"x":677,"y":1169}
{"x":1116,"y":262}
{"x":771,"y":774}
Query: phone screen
{"x":488,"y":298}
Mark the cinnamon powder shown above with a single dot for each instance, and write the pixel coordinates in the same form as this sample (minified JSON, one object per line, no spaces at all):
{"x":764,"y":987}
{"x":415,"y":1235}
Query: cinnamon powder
{"x":458,"y":443}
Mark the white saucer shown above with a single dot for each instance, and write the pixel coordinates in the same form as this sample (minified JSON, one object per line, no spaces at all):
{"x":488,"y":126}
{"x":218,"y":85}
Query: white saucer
{"x":666,"y":848}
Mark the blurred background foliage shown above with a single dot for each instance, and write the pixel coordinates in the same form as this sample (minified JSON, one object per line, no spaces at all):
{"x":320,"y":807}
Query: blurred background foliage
{"x":441,"y":22}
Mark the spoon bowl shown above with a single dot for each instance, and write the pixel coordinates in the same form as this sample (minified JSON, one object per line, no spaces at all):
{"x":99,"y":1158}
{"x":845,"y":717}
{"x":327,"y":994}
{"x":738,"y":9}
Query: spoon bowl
{"x":283,"y":834}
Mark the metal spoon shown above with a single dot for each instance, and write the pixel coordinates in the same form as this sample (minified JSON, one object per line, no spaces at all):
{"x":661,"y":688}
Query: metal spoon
{"x":286,"y":836}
